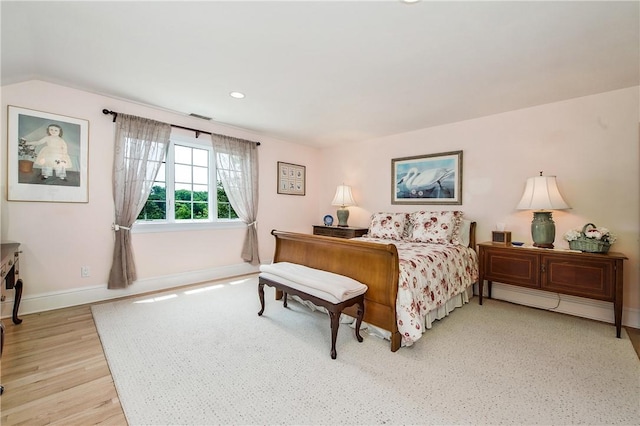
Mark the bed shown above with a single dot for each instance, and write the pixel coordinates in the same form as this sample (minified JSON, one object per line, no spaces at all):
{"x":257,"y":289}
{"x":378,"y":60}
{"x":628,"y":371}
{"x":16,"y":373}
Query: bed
{"x":418,"y":266}
{"x":437,"y":265}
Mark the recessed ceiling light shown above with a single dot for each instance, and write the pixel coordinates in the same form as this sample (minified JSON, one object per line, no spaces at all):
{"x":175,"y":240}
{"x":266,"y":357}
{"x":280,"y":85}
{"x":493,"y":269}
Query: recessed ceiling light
{"x":409,"y":1}
{"x":237,"y":95}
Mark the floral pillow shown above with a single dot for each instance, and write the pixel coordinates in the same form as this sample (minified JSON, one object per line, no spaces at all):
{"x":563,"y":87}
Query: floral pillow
{"x":435,"y":227}
{"x":388,"y":225}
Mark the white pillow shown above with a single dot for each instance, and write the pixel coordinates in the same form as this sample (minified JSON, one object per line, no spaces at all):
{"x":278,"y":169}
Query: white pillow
{"x":465,"y":232}
{"x":435,"y":227}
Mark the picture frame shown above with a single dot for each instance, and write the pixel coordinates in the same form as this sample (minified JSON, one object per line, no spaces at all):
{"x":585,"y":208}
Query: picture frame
{"x":291,"y":179}
{"x":427,"y":179}
{"x":47,"y":157}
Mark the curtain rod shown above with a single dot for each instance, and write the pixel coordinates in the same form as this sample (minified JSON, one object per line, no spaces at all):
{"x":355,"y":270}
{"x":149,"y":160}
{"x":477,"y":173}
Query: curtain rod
{"x":197,"y":132}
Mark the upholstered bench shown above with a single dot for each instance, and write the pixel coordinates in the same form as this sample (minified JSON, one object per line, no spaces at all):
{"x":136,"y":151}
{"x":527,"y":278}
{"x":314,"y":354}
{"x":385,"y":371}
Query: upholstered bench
{"x":331,"y":291}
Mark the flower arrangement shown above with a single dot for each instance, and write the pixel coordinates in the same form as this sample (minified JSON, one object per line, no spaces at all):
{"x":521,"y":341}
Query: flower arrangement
{"x":590,"y":238}
{"x":26,"y":152}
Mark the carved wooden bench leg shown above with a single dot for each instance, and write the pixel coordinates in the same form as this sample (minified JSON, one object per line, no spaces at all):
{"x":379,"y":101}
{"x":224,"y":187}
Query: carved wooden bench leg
{"x":334,"y":309}
{"x":359,"y":318}
{"x":335,"y":323}
{"x":261,"y":296}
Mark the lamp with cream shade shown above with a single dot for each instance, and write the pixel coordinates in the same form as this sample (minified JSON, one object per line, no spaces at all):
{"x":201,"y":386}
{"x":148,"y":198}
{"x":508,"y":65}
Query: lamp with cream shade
{"x":344,"y":199}
{"x":541,"y":194}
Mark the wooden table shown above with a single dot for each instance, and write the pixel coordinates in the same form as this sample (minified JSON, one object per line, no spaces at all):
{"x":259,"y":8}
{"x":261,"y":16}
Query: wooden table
{"x":591,"y":275}
{"x":10,"y":272}
{"x":339,"y":231}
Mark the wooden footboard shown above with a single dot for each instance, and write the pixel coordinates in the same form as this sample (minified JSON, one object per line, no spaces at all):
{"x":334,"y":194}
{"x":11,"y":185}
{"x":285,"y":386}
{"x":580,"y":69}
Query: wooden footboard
{"x":375,"y":265}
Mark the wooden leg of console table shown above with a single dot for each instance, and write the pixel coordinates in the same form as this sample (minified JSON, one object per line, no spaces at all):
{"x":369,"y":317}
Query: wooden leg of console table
{"x":16,"y":302}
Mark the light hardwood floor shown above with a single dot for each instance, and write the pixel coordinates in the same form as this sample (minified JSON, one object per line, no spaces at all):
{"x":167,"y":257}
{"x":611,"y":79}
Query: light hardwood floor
{"x":55,"y":372}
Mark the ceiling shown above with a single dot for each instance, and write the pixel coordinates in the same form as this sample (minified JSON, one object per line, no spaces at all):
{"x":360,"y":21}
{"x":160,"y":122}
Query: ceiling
{"x":326,"y":72}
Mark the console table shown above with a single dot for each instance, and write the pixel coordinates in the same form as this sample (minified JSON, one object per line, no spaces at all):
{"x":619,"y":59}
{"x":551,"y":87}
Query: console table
{"x":10,"y":272}
{"x":591,"y":275}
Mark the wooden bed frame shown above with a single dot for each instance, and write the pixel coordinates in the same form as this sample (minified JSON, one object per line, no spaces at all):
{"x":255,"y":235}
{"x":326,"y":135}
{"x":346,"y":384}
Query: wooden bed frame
{"x":373,"y":264}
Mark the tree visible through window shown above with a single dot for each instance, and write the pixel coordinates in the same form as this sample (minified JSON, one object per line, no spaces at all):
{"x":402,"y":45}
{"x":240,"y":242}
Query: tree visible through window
{"x":185,"y":181}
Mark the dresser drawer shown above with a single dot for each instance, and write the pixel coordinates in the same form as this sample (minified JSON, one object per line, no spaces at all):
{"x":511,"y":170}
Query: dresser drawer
{"x":323,"y":231}
{"x":339,"y":232}
{"x":590,"y":278}
{"x":513,"y":268}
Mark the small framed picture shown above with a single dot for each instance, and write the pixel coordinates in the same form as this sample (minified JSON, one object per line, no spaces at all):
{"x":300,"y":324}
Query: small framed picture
{"x":48,"y":157}
{"x":291,"y":179}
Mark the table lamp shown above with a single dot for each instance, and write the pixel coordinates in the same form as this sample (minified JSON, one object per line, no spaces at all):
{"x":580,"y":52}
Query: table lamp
{"x":343,"y":198}
{"x":541,"y":195}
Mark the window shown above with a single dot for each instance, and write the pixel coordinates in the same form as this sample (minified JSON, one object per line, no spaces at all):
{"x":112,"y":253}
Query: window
{"x":187,"y":189}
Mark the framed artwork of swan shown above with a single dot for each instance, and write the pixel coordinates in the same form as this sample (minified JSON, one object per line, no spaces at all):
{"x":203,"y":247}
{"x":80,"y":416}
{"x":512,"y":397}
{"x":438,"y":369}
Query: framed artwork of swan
{"x":427,"y":179}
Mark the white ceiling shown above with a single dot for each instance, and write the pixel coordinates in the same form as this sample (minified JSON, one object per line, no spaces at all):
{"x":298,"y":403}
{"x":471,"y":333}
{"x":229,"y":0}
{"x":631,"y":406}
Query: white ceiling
{"x":326,"y":72}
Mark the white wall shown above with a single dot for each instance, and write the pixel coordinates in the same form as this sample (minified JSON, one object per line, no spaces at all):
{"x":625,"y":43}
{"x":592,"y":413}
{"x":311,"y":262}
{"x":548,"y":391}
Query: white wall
{"x":589,"y":143}
{"x":58,"y":238}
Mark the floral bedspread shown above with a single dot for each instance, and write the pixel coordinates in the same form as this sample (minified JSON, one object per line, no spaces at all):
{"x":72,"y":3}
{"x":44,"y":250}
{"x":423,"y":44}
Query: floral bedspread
{"x":430,"y":274}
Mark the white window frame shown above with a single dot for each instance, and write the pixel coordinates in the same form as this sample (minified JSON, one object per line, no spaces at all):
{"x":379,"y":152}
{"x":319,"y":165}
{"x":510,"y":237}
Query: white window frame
{"x":171,"y":224}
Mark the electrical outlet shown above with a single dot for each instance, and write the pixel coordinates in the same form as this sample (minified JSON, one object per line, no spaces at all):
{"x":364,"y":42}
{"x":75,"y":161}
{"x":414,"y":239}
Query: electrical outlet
{"x":84,"y":271}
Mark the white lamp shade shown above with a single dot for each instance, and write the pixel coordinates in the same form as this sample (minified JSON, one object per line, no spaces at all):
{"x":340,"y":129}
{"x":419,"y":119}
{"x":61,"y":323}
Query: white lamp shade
{"x":541,"y":193}
{"x":343,"y":197}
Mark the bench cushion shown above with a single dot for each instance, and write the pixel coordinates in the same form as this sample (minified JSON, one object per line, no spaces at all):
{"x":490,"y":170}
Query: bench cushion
{"x":322,"y":284}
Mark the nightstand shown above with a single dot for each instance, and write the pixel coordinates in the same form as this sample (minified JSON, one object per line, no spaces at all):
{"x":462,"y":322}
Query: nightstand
{"x":339,"y":231}
{"x":591,"y":275}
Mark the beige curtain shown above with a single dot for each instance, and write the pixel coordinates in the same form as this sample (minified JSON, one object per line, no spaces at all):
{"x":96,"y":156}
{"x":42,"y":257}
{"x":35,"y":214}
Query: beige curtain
{"x":237,"y":166}
{"x":140,"y":147}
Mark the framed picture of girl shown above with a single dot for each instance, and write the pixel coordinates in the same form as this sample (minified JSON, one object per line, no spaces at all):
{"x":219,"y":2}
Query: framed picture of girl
{"x":47,"y":157}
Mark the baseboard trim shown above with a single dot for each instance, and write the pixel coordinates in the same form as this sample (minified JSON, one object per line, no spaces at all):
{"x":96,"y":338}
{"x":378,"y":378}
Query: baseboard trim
{"x":62,"y":299}
{"x":572,"y":305}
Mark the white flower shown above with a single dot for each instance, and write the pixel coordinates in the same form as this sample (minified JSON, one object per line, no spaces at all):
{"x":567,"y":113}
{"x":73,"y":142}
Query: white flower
{"x":572,"y":235}
{"x":593,"y":233}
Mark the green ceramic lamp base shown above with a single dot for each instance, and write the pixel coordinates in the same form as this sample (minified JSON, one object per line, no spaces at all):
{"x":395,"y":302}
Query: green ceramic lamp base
{"x":543,"y":229}
{"x":343,"y":215}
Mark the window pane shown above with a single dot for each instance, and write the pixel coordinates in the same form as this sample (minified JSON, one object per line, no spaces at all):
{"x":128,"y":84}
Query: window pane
{"x":161,"y":173}
{"x":183,"y":154}
{"x":201,"y":175}
{"x":153,"y":210}
{"x":183,"y":194}
{"x":200,"y":157}
{"x":183,"y":173}
{"x":200,"y":211}
{"x":200,"y":193}
{"x":183,"y":210}
{"x":225,"y":211}
{"x":158,"y":192}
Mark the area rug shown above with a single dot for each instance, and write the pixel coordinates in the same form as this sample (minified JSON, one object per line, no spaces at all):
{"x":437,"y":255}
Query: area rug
{"x":201,"y":356}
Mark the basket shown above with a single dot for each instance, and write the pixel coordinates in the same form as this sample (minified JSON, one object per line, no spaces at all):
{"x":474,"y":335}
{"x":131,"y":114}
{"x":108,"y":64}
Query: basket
{"x":589,"y":245}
